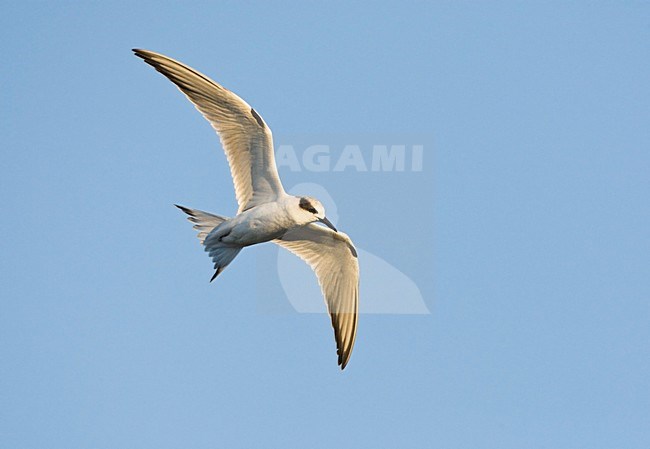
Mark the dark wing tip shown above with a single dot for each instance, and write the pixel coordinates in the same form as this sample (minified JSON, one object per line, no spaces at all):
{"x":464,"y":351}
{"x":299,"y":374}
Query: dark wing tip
{"x":344,"y":357}
{"x":155,"y":60}
{"x":257,"y":118}
{"x":149,"y":57}
{"x":343,"y":348}
{"x":140,"y":52}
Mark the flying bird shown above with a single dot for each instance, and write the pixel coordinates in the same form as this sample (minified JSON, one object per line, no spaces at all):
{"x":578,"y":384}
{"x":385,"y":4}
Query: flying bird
{"x":266,"y":212}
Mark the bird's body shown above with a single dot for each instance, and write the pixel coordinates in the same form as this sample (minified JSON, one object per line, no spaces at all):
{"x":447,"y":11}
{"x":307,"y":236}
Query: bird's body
{"x":266,"y":212}
{"x":260,"y":224}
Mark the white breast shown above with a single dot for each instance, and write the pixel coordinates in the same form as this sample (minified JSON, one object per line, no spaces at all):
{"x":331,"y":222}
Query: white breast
{"x":262,"y":223}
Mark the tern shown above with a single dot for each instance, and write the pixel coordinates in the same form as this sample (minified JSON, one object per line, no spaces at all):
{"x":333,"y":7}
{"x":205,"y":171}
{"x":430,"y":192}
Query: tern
{"x":266,"y":212}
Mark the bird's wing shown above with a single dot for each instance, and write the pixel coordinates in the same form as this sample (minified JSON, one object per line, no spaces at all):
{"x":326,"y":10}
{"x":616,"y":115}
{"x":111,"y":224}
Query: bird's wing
{"x":334,"y":259}
{"x":245,"y":137}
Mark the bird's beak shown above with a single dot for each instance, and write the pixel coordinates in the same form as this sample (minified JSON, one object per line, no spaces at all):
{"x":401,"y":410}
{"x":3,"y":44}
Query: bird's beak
{"x":328,"y":223}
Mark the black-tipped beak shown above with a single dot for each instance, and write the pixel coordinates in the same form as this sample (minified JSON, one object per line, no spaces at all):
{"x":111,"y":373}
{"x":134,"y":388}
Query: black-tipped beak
{"x":328,"y":223}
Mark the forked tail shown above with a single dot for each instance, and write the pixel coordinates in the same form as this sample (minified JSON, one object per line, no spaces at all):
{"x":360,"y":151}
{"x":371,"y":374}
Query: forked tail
{"x":220,"y":253}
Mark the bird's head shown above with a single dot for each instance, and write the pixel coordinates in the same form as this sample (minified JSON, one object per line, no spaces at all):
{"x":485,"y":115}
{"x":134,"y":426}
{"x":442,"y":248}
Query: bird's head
{"x":311,"y":210}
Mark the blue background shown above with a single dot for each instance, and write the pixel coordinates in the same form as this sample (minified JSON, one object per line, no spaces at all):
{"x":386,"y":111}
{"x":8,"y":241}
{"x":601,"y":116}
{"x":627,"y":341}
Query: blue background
{"x":534,"y":198}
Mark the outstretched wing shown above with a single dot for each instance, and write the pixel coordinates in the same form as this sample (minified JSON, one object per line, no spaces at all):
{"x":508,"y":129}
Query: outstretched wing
{"x":244,"y":135}
{"x":333,"y":258}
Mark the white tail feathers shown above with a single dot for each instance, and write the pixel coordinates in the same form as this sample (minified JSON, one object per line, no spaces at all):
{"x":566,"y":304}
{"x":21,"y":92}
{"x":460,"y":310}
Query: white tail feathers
{"x":204,"y":222}
{"x":220,"y":253}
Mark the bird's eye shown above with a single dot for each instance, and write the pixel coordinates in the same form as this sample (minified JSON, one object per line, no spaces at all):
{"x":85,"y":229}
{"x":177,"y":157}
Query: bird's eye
{"x":307,"y":205}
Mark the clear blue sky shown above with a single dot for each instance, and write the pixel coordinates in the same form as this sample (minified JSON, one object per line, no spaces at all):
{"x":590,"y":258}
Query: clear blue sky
{"x":527,"y":230}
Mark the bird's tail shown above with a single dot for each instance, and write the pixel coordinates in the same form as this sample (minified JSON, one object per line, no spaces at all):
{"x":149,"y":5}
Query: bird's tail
{"x":204,"y":222}
{"x":220,"y":253}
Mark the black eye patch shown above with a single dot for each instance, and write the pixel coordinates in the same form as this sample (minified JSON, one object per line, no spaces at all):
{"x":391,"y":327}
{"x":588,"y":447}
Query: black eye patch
{"x":306,"y":204}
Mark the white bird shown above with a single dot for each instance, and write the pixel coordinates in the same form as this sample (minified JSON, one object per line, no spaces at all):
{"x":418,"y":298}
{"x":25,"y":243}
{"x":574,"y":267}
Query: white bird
{"x":266,"y":212}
